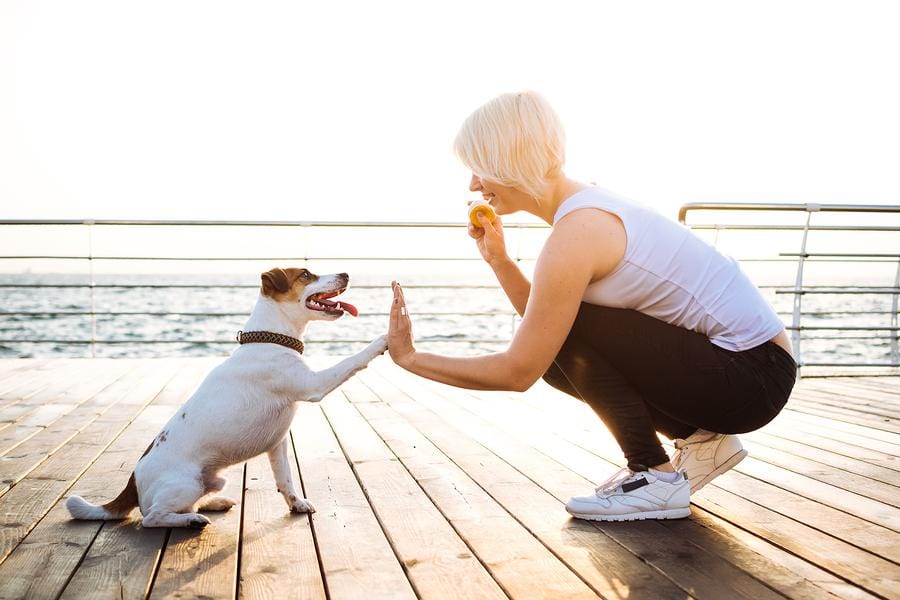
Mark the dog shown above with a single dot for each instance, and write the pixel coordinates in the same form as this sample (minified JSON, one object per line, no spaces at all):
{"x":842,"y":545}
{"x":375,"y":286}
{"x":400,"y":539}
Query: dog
{"x":243,"y":408}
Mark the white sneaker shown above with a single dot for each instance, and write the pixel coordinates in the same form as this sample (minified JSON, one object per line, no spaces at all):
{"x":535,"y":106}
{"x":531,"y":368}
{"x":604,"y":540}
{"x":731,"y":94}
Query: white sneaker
{"x":627,"y":496}
{"x":704,"y":456}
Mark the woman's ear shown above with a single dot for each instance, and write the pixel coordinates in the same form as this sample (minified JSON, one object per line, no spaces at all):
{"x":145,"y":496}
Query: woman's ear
{"x":274,"y":282}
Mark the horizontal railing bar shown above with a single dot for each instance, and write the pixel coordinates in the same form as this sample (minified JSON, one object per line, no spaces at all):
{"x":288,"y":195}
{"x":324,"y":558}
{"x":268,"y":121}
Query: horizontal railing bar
{"x":785,"y":207}
{"x":305,"y":341}
{"x":384,"y":314}
{"x":251,"y":258}
{"x":861,"y":291}
{"x":840,"y":328}
{"x":226,"y":314}
{"x":743,"y":227}
{"x":428,"y":286}
{"x":191,"y":223}
{"x":825,"y":364}
{"x":836,"y":254}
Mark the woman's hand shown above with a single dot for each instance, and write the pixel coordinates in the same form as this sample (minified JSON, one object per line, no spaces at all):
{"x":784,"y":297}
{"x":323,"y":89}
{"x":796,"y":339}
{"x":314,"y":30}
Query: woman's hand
{"x":400,"y":338}
{"x":489,"y":238}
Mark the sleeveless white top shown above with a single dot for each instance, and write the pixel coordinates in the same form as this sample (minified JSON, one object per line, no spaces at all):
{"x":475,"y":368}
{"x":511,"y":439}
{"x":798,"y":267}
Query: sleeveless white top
{"x":672,"y":275}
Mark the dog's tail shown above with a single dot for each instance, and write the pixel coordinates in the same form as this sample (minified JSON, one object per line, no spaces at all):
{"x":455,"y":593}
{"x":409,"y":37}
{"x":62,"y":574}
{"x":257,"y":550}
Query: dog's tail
{"x":119,"y":508}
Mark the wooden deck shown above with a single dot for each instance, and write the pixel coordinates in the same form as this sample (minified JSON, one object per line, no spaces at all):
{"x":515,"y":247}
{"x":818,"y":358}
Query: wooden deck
{"x":428,"y":491}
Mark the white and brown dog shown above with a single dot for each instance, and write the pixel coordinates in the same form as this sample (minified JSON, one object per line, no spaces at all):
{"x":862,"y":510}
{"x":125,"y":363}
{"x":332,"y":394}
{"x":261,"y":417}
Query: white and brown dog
{"x":243,"y":408}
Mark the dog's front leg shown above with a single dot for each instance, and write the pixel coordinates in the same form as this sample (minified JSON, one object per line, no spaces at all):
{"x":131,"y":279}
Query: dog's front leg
{"x":324,"y":382}
{"x":284,"y":478}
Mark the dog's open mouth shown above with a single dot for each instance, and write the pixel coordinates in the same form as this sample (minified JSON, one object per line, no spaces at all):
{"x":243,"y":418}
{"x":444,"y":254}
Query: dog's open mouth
{"x":321,"y":302}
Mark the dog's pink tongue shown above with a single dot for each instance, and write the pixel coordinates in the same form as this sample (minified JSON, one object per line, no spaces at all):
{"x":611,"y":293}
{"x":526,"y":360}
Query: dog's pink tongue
{"x":349,"y":308}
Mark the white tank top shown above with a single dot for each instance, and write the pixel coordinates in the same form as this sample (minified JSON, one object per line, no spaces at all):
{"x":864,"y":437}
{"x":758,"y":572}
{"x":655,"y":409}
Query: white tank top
{"x":672,"y":275}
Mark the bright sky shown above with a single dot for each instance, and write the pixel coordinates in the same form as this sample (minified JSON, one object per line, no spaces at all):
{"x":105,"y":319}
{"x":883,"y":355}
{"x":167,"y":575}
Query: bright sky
{"x":347,"y":110}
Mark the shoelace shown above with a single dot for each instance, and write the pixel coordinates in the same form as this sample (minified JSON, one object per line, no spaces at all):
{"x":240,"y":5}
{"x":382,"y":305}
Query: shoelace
{"x":623,"y":475}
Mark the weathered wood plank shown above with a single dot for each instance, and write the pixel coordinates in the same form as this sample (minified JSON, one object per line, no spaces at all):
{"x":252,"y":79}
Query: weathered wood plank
{"x":203,"y":564}
{"x":33,"y":496}
{"x":513,"y":555}
{"x":503,"y":415}
{"x":41,"y":565}
{"x":598,"y":559}
{"x":278,"y":551}
{"x":848,"y":481}
{"x":123,"y":557}
{"x":438,"y":563}
{"x":357,"y":560}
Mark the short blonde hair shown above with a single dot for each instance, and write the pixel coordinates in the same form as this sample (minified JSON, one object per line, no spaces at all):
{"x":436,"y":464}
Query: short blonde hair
{"x":515,"y":140}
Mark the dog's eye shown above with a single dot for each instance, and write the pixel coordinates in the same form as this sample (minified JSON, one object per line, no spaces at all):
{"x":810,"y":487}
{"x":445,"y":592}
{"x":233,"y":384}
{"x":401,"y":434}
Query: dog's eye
{"x":304,"y":274}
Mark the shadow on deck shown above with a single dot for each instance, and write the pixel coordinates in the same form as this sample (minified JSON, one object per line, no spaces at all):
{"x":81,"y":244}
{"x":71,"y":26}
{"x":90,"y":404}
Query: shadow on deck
{"x":430,"y":491}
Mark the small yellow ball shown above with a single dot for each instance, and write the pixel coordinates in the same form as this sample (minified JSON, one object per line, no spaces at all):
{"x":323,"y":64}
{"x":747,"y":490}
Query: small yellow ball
{"x":480,"y":206}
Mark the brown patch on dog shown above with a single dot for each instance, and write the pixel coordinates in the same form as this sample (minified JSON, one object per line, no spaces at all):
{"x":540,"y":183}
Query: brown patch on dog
{"x":183,"y":415}
{"x":127,"y":499}
{"x":286,"y":284}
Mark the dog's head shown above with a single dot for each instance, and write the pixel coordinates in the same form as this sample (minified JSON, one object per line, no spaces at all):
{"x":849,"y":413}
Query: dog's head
{"x":306,"y":295}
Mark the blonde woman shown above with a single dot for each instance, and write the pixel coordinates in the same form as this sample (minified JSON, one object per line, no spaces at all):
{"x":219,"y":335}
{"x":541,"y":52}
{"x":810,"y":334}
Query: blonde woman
{"x":630,"y":312}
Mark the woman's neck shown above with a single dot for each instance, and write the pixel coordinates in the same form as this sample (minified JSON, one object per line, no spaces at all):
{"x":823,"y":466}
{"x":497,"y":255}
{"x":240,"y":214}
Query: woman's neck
{"x":557,"y":191}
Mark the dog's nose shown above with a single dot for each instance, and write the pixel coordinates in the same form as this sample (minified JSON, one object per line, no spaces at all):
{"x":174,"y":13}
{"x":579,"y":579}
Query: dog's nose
{"x":343,"y":276}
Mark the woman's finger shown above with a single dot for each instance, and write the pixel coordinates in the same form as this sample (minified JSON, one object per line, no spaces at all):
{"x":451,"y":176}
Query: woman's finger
{"x":395,"y":308}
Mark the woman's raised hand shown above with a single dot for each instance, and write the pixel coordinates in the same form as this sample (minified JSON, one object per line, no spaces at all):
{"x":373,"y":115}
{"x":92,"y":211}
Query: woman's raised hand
{"x":400,"y":337}
{"x":489,"y":238}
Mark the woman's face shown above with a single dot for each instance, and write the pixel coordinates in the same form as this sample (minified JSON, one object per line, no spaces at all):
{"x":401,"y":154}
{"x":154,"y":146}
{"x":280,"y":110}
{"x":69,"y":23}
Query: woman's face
{"x":505,"y":200}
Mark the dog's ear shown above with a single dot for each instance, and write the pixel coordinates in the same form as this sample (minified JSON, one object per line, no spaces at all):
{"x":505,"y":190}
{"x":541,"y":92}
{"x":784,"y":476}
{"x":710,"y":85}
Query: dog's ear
{"x":275,"y":282}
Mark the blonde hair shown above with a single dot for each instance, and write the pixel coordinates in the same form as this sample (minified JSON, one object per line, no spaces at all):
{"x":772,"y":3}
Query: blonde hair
{"x":516,"y":140}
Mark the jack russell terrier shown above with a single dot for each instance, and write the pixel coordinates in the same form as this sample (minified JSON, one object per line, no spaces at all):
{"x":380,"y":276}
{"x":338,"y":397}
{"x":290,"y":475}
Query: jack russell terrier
{"x":243,"y":408}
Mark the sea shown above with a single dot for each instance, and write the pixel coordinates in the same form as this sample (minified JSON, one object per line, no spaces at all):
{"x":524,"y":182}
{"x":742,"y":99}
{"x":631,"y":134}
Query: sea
{"x":197,"y":314}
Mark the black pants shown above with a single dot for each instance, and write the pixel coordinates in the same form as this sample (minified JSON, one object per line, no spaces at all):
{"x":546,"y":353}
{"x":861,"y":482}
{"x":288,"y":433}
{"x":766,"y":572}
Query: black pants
{"x":641,"y":375}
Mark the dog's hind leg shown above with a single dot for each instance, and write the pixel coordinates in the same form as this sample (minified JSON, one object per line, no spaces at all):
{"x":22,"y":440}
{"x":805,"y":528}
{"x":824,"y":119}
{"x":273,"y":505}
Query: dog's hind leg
{"x":284,"y":478}
{"x":173,"y":504}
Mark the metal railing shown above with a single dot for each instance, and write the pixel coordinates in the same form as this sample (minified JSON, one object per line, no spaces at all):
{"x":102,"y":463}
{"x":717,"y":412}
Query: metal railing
{"x":802,"y":330}
{"x":513,"y":234}
{"x":803,"y":257}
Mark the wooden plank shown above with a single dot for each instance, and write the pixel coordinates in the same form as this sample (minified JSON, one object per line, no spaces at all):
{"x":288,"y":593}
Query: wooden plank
{"x":848,"y":481}
{"x":34,"y":381}
{"x":17,"y":462}
{"x":438,"y":563}
{"x":798,"y":449}
{"x":842,"y":430}
{"x":853,"y":564}
{"x":574,"y":541}
{"x":523,"y":566}
{"x":609,"y":451}
{"x":356,"y":558}
{"x":872,"y":423}
{"x":853,"y":503}
{"x":203,"y":564}
{"x":811,"y":437}
{"x":41,"y":565}
{"x":12,"y":369}
{"x":116,"y":400}
{"x":278,"y":551}
{"x":123,"y":557}
{"x":29,"y":500}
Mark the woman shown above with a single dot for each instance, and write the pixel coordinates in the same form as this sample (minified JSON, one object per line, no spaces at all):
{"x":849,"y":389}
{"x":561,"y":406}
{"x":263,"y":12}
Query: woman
{"x":628,"y":311}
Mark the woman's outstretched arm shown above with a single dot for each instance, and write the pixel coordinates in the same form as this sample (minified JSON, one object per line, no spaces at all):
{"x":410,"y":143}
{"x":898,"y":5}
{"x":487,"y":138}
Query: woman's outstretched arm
{"x":582,"y":248}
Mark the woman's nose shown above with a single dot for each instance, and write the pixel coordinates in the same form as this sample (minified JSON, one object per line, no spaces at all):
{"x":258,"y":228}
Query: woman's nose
{"x":475,"y":183}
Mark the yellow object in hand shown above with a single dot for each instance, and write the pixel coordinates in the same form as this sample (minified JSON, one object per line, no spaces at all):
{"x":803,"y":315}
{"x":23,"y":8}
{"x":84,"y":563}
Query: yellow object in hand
{"x":481,"y":206}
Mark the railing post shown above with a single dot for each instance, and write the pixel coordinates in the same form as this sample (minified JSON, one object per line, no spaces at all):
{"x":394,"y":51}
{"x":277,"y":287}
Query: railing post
{"x":798,"y":287}
{"x":90,"y":229}
{"x":895,"y":347}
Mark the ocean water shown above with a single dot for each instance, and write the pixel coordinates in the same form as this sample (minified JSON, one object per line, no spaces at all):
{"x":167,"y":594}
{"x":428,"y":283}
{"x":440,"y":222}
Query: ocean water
{"x":458,"y":318}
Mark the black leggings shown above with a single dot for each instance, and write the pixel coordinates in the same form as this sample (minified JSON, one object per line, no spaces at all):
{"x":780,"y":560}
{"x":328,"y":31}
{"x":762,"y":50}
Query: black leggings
{"x":641,"y":375}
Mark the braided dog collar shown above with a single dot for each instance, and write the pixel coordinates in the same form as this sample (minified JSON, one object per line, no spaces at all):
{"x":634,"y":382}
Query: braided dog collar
{"x":268,"y":337}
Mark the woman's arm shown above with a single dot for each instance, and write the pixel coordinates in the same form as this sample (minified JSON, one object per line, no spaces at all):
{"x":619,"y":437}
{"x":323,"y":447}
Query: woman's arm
{"x":584,"y":246}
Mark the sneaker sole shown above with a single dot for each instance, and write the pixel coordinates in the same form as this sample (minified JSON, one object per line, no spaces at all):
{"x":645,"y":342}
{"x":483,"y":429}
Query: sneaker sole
{"x":728,"y":464}
{"x":675,"y":513}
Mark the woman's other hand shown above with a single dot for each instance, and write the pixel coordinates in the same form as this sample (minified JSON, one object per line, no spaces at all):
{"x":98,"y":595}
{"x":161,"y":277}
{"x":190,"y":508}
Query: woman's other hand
{"x":400,"y":337}
{"x":489,"y":238}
